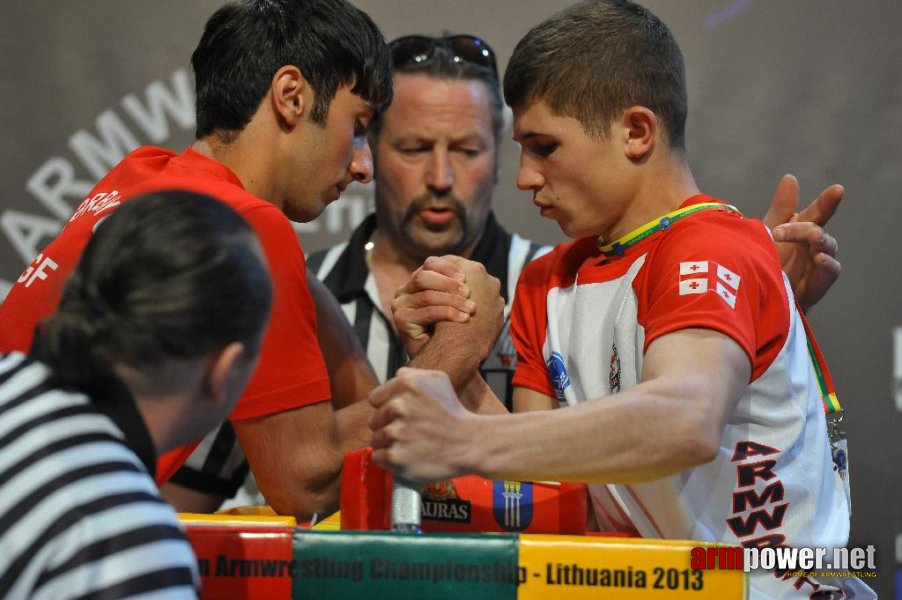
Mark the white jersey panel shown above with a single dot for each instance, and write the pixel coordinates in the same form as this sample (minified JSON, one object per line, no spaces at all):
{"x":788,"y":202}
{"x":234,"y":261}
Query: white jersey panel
{"x":773,"y":480}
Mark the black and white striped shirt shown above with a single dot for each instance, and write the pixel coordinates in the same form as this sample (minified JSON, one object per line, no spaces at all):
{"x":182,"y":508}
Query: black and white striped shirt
{"x":80,"y":515}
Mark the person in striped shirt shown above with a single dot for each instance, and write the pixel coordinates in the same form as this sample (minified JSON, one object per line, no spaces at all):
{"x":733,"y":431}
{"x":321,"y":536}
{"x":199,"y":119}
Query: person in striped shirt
{"x":156,"y":336}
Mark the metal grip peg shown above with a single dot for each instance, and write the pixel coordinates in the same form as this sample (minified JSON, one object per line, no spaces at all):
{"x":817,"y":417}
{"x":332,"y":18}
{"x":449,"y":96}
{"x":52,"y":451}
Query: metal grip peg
{"x":406,"y":507}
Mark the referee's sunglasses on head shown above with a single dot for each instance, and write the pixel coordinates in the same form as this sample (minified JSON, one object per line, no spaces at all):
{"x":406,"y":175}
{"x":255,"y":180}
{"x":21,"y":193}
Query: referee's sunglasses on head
{"x":419,"y":49}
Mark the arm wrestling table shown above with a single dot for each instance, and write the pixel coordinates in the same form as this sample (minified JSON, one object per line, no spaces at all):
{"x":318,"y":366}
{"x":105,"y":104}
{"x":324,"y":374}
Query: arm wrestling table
{"x":532,"y":545}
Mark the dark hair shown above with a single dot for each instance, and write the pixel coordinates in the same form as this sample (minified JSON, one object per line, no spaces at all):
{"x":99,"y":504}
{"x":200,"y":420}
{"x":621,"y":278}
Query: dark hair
{"x":443,"y":65}
{"x":597,"y":58}
{"x":170,"y":275}
{"x":245,"y":43}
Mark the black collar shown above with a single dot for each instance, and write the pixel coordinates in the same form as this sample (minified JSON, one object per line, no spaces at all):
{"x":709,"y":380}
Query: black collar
{"x":111,"y":397}
{"x":348,"y":277}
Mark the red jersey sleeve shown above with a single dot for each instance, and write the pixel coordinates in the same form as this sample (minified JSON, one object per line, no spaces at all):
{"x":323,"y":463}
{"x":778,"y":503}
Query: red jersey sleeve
{"x":717,"y":271}
{"x":291,"y":371}
{"x":529,"y":319}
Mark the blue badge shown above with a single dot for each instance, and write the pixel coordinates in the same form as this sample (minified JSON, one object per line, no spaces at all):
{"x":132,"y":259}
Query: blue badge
{"x":560,"y":380}
{"x":512,"y":504}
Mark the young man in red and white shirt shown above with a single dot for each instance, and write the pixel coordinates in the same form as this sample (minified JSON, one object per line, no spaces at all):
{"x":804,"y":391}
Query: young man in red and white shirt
{"x":666,"y":332}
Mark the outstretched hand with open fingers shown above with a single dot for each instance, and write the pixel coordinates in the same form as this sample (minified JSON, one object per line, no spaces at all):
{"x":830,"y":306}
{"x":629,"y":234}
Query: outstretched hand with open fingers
{"x":807,"y":252}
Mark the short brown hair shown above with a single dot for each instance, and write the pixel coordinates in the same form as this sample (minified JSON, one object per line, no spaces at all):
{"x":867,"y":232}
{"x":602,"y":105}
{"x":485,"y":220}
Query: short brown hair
{"x":597,"y":58}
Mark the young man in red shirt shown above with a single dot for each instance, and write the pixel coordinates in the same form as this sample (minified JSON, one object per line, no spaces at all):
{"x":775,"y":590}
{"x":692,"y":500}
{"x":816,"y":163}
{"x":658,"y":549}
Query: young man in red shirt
{"x":285,"y":92}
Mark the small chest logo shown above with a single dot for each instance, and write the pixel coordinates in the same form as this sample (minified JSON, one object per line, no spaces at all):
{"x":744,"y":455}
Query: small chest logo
{"x":504,"y":348}
{"x":560,"y":380}
{"x":614,"y":372}
{"x":512,"y":504}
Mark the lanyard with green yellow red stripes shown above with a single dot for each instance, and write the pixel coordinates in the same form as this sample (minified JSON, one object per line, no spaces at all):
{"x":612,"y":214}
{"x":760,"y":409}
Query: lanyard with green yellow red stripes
{"x":620,"y":246}
{"x":832,"y":409}
{"x":824,"y":380}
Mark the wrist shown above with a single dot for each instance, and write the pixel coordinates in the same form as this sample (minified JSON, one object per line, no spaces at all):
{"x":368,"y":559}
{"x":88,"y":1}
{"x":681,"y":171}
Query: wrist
{"x":471,"y":459}
{"x":478,"y":397}
{"x":450,"y":352}
{"x":472,"y":392}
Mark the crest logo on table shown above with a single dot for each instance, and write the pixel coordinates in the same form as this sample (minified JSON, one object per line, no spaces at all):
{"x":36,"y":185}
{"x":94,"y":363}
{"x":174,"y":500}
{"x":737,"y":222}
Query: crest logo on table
{"x":512,"y":504}
{"x":442,"y":503}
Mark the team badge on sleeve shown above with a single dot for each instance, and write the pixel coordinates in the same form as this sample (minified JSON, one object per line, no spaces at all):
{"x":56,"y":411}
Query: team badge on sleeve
{"x":693,"y":277}
{"x":699,"y":277}
{"x":557,"y":371}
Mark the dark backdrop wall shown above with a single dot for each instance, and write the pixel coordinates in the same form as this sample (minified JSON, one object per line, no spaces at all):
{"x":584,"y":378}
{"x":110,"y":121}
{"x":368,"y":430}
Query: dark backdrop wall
{"x":812,"y":87}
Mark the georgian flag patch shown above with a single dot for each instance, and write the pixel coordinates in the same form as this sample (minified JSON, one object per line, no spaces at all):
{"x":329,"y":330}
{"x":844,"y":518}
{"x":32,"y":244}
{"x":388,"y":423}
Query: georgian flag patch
{"x":699,"y":277}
